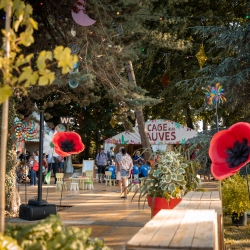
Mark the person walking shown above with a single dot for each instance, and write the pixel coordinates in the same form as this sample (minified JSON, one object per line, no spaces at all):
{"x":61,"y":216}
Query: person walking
{"x":125,"y":164}
{"x":118,"y":171}
{"x":101,"y":161}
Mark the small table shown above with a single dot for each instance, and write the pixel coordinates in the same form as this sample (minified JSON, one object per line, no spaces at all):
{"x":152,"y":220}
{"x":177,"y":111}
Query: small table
{"x":81,"y":180}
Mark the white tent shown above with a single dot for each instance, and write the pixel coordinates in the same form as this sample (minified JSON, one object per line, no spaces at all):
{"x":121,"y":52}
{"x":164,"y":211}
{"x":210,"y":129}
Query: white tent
{"x":160,"y":132}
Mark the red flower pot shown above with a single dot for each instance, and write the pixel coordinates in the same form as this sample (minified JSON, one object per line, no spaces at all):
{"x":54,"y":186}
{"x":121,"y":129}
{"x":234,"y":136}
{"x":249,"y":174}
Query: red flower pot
{"x":161,"y":203}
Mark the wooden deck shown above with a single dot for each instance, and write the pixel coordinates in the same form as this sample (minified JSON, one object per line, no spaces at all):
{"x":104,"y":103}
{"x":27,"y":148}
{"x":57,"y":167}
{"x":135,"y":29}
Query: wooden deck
{"x":195,"y":223}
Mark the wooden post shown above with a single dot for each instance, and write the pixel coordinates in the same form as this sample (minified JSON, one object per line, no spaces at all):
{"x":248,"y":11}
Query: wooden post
{"x":4,"y":128}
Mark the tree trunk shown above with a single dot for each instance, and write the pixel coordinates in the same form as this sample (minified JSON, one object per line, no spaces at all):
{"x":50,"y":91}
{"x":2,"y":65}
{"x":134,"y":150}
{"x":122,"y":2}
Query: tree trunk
{"x":12,"y":197}
{"x":139,"y":117}
{"x":189,"y":118}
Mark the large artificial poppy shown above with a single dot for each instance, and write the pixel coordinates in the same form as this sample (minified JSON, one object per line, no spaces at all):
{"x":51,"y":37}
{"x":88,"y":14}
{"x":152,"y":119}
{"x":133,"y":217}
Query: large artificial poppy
{"x":230,"y":150}
{"x":67,"y":143}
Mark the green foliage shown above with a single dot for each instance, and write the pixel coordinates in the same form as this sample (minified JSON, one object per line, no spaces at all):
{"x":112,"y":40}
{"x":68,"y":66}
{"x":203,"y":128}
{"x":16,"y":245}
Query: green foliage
{"x":8,"y":243}
{"x":172,"y":177}
{"x":235,"y":198}
{"x":50,"y":233}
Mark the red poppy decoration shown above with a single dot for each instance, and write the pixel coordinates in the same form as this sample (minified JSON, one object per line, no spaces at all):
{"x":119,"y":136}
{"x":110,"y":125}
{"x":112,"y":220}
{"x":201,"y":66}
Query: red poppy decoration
{"x":67,"y":143}
{"x":230,"y":150}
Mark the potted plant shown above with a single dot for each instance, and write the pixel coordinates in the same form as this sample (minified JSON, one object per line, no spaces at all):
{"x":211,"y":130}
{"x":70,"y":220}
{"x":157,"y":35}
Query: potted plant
{"x":171,"y":178}
{"x":235,"y":199}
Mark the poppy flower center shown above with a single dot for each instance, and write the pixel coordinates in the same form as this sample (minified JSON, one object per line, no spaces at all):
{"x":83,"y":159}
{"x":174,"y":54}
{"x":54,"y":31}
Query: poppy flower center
{"x":67,"y":145}
{"x":238,"y":154}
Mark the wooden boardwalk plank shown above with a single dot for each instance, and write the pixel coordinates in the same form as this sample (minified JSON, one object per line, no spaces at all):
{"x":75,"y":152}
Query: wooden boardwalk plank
{"x":165,"y":234}
{"x":204,"y":237}
{"x":148,"y":231}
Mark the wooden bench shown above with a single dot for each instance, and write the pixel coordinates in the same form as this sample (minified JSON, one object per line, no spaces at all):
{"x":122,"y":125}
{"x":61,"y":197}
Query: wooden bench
{"x":178,"y":229}
{"x":195,"y":223}
{"x":205,"y":200}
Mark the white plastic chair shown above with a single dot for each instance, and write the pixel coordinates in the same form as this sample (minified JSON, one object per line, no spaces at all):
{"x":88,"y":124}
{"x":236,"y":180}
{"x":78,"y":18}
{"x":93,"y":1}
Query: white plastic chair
{"x":59,"y":181}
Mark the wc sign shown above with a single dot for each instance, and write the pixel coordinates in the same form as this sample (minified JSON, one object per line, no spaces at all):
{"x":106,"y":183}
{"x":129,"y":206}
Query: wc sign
{"x":67,"y":120}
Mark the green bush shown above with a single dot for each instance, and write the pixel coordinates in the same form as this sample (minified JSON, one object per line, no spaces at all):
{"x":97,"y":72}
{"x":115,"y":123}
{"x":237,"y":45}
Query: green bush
{"x":235,"y":195}
{"x":49,"y":233}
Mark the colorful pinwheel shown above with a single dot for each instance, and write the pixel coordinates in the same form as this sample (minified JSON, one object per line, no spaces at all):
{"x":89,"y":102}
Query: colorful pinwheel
{"x":215,"y":94}
{"x":25,"y":130}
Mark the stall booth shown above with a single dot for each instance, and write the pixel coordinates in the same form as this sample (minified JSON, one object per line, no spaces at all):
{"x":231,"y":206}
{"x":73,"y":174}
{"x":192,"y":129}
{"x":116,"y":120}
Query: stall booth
{"x":161,"y":133}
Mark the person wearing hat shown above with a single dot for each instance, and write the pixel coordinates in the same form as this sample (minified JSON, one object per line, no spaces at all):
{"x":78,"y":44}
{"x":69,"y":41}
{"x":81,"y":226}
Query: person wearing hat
{"x":101,"y":161}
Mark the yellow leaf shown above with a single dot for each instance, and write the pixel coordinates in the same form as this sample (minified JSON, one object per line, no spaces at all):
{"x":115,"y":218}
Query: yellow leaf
{"x":17,"y":23}
{"x":18,"y":7}
{"x":26,"y":37}
{"x":41,"y":60}
{"x":5,"y":93}
{"x":29,"y":76}
{"x":46,"y":78}
{"x":22,"y":60}
{"x":64,"y":58}
{"x":3,"y":4}
{"x":34,"y":24}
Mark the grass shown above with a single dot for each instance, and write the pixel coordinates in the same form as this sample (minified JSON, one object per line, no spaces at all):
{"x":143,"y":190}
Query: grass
{"x":236,"y":237}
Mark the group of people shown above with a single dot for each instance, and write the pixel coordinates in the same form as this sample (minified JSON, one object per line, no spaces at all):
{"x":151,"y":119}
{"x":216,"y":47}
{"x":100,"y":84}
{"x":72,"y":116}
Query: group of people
{"x":123,"y":163}
{"x":28,"y":165}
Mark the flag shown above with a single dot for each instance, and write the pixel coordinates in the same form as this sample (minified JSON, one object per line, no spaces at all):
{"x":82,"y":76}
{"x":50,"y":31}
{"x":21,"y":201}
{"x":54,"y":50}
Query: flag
{"x":47,"y":178}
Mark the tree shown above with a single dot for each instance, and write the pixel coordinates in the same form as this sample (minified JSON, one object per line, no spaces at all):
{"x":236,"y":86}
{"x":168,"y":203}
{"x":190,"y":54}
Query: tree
{"x":171,"y":47}
{"x":102,"y":48}
{"x":17,"y":73}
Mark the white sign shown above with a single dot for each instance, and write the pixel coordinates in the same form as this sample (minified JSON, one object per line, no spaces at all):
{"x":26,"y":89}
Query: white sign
{"x":67,"y":120}
{"x":88,"y":165}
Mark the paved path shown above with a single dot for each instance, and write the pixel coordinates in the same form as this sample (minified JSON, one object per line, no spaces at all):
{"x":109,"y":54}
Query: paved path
{"x":111,"y":218}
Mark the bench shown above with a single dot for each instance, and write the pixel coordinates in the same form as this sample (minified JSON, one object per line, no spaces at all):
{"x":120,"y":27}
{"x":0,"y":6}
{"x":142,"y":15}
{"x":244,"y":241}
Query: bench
{"x":195,"y":223}
{"x":205,"y":200}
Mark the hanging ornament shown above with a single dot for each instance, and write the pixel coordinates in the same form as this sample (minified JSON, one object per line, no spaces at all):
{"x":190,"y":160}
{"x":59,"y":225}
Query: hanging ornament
{"x":60,"y":128}
{"x":74,"y":48}
{"x":215,"y":94}
{"x":73,"y":84}
{"x":165,"y":80}
{"x":79,"y":14}
{"x":201,"y":56}
{"x":112,"y":123}
{"x":73,"y":32}
{"x":75,"y":65}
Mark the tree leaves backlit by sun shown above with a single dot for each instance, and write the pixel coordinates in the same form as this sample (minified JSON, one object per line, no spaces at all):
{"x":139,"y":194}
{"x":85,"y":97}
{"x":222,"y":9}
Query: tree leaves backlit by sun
{"x":17,"y":70}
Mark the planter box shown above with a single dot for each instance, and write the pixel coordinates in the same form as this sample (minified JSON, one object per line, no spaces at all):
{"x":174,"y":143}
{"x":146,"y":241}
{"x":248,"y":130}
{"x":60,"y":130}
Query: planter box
{"x":161,"y":203}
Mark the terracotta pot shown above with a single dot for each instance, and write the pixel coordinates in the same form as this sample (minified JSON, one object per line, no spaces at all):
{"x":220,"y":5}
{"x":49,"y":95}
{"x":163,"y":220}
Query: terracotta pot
{"x":161,"y":203}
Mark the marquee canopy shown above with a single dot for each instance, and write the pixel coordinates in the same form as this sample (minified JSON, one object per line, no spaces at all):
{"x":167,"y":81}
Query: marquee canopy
{"x":159,"y":132}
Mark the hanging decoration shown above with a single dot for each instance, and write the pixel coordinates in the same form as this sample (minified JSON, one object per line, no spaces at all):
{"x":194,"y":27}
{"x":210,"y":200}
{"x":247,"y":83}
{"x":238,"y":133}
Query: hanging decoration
{"x":24,"y":130}
{"x":165,"y":80}
{"x":215,"y":94}
{"x":73,"y":83}
{"x":230,"y":150}
{"x":73,"y":32}
{"x":60,"y":128}
{"x":74,"y":48}
{"x":67,"y":143}
{"x":201,"y":56}
{"x":113,"y":123}
{"x":79,"y":14}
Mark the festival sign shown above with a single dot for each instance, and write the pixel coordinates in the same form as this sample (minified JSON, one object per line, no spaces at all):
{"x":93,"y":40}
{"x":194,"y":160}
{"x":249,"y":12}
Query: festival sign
{"x":159,"y":132}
